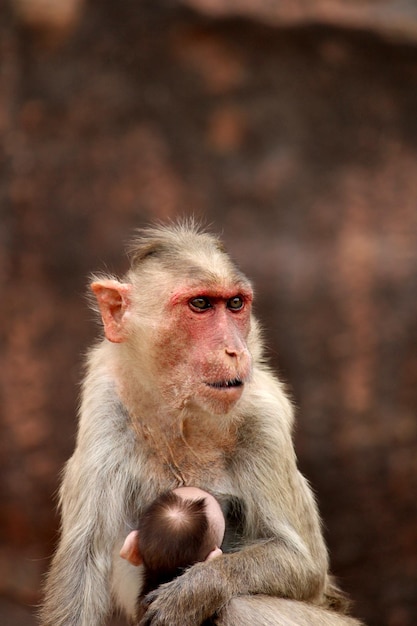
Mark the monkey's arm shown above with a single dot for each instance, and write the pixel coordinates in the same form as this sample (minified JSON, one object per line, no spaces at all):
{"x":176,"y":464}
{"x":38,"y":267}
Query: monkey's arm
{"x":281,"y":566}
{"x":93,"y":500}
{"x":261,"y":610}
{"x":77,"y":588}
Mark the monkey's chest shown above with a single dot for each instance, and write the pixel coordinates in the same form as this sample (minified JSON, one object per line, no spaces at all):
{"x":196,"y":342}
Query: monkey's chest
{"x":187,"y":458}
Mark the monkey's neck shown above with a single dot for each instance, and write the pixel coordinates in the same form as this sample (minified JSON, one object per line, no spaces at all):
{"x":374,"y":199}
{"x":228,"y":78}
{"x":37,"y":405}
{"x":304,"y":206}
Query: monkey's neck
{"x":147,"y":417}
{"x":165,"y":418}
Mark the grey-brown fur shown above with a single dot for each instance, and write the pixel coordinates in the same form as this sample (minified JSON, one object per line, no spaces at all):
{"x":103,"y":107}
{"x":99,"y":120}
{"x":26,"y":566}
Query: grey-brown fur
{"x":266,"y":611}
{"x":141,"y":434}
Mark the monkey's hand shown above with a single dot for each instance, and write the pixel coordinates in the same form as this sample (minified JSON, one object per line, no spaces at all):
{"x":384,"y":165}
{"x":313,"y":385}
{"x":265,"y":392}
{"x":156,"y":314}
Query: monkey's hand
{"x":189,"y":599}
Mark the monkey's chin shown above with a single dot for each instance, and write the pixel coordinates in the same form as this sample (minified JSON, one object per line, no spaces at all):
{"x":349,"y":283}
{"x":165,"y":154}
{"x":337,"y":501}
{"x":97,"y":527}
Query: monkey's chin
{"x":221,"y":397}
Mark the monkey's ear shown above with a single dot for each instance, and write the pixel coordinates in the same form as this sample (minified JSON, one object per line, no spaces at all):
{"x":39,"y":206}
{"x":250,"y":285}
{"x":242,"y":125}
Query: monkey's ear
{"x":113,"y":299}
{"x":130,"y":548}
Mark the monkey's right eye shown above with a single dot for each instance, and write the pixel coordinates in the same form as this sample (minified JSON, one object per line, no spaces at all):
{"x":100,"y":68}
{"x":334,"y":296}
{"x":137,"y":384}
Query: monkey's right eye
{"x":200,"y":304}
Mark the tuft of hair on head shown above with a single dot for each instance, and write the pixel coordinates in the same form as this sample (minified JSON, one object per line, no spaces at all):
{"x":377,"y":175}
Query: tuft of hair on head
{"x":171,"y":239}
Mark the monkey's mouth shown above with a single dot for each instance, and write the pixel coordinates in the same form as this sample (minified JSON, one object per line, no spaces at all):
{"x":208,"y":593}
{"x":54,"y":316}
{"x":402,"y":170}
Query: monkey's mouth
{"x":226,"y":384}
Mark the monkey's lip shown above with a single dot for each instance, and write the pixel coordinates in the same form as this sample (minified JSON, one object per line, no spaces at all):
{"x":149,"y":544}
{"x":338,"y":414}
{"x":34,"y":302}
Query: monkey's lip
{"x":234,"y":383}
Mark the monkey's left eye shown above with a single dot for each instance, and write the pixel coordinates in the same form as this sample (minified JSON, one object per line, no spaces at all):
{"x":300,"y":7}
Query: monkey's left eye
{"x":200,"y":304}
{"x":235,"y":303}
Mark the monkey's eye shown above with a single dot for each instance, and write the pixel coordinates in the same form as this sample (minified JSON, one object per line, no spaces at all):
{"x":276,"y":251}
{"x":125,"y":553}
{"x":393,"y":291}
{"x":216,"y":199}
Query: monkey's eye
{"x":235,"y":303}
{"x":200,"y":303}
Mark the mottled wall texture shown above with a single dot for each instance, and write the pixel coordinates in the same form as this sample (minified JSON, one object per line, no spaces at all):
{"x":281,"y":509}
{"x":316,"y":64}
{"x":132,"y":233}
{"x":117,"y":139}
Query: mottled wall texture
{"x":292,"y":129}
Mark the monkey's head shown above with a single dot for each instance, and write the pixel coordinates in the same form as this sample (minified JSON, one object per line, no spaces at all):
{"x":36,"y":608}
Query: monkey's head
{"x":183,"y":314}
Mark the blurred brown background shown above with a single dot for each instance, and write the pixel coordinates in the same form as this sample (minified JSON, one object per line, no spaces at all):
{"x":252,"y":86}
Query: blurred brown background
{"x":291,"y":127}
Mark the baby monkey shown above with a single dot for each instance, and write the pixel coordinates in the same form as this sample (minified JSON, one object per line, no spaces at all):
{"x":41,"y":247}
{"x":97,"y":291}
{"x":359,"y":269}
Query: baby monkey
{"x":179,"y":528}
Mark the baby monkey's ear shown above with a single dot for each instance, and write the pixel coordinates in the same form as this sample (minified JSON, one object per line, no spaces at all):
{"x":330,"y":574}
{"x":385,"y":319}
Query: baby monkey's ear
{"x":130,"y":549}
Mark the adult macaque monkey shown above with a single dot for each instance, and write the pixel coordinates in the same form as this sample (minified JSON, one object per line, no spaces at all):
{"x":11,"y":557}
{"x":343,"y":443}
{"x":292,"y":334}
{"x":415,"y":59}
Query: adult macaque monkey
{"x":177,"y":394}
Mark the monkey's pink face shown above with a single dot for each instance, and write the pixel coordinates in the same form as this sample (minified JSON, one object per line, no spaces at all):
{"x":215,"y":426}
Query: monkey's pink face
{"x":203,"y":348}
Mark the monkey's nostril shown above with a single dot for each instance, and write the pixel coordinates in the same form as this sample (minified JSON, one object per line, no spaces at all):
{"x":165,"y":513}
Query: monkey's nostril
{"x":232,"y":352}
